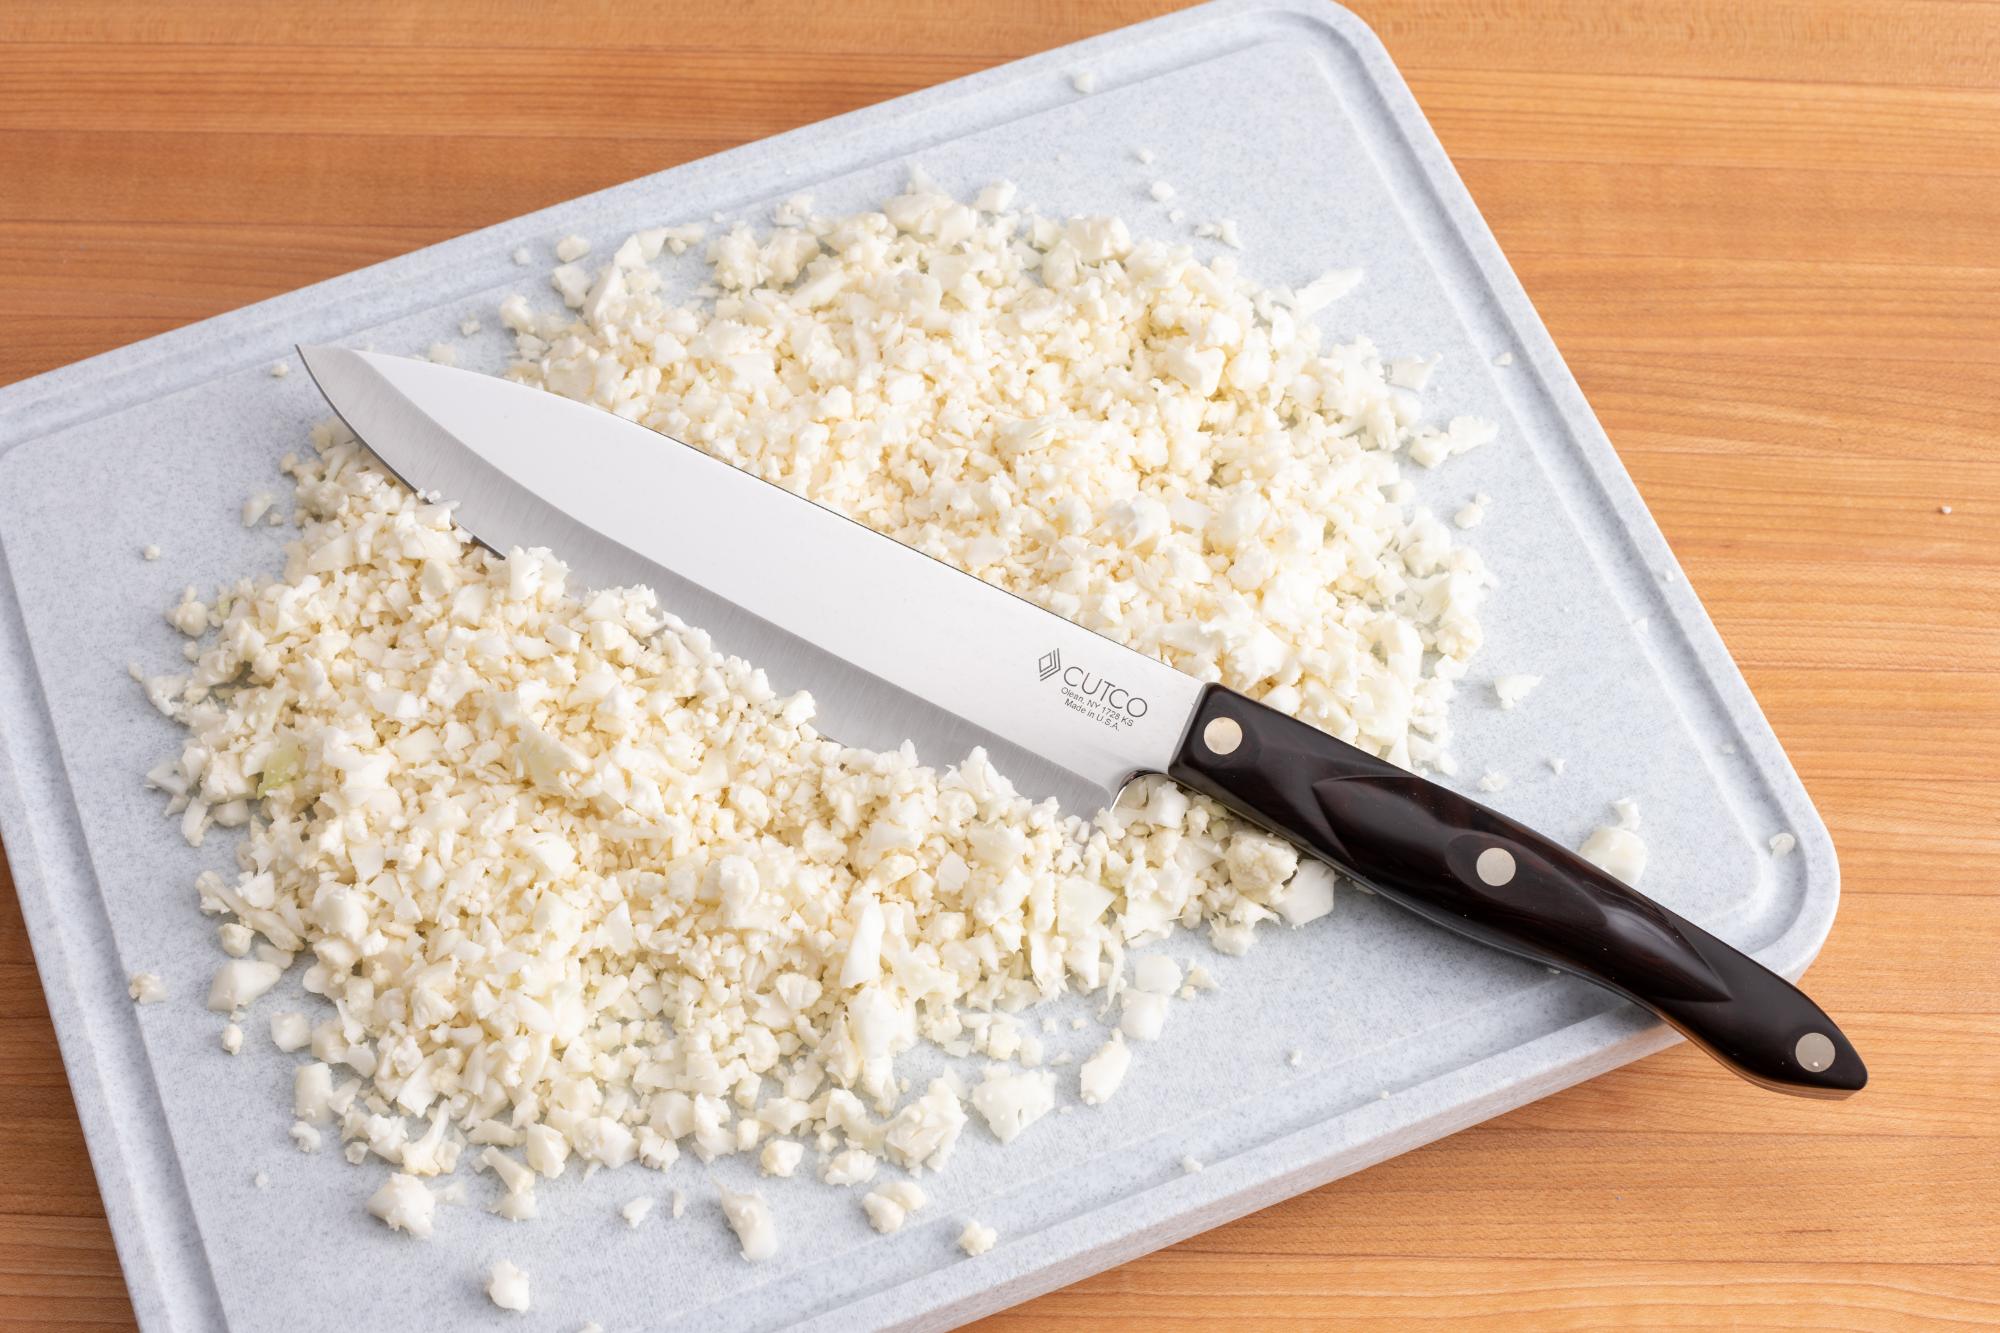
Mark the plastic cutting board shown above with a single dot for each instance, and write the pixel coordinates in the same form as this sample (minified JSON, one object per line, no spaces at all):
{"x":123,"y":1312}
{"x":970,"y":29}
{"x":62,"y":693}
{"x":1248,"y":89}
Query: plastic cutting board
{"x":1288,"y":118}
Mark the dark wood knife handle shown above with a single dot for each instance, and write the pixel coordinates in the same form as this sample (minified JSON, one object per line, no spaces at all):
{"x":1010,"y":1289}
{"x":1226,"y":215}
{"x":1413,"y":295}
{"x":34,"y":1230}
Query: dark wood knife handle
{"x":1475,"y":871}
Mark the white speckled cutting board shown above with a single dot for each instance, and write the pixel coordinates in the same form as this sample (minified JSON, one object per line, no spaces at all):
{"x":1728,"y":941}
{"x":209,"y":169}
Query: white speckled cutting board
{"x":1287,"y":117}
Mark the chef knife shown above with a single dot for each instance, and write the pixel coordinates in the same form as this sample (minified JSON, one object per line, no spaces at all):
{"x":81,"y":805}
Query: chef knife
{"x":894,"y":644}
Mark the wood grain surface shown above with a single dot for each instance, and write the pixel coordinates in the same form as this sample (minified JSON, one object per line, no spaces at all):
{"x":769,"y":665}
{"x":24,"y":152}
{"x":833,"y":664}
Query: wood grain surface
{"x":1767,"y":236}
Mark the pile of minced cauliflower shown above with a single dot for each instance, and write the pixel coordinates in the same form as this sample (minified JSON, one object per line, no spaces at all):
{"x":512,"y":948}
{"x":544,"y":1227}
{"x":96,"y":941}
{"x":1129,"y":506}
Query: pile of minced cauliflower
{"x":578,"y":889}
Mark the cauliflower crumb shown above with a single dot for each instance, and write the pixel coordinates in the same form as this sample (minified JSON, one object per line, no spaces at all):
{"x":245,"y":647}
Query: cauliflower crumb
{"x":1010,"y":1101}
{"x":1084,"y":82}
{"x":1782,"y":843}
{"x":781,"y":1157}
{"x":1305,"y":898}
{"x":290,"y":1031}
{"x":146,"y":988}
{"x":888,"y":1207}
{"x":149,"y":552}
{"x":1102,"y":1073}
{"x":1412,"y":372}
{"x":977,"y":1239}
{"x":1511,"y":690}
{"x":750,"y":1218}
{"x":854,"y":1166}
{"x":190,"y":615}
{"x":1223,"y":231}
{"x":280,"y":369}
{"x":572,"y":248}
{"x":239,"y":982}
{"x":405,"y":1204}
{"x":507,"y":1286}
{"x":1460,"y":435}
{"x":1493,"y":782}
{"x":1618,"y":852}
{"x":1324,"y":290}
{"x":1143,"y":1015}
{"x":997,"y":197}
{"x":635,"y":1211}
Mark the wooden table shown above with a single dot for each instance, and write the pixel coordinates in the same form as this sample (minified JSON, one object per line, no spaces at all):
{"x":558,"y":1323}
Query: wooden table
{"x":1766,"y":234}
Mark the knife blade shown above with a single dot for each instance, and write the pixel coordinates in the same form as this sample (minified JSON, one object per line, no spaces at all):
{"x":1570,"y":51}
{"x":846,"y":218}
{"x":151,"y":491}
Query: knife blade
{"x":872,"y":628}
{"x":896,"y":645}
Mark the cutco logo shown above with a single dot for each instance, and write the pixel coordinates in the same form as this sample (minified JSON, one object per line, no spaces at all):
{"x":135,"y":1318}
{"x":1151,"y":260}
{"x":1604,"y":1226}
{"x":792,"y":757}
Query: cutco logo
{"x":1096,"y":697}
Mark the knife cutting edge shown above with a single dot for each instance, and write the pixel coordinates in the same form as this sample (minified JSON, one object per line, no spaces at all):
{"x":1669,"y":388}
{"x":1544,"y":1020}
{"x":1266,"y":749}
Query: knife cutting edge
{"x":897,"y":645}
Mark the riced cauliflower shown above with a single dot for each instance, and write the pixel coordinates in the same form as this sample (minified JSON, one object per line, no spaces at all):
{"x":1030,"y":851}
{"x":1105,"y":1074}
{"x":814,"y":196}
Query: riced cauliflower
{"x":579,"y":889}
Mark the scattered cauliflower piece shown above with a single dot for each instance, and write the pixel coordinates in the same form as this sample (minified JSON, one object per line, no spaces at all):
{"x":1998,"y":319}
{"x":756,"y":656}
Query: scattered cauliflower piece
{"x":889,"y":1206}
{"x":1618,"y":852}
{"x":1223,"y":231}
{"x":781,"y":1157}
{"x":853,"y":1166}
{"x":750,"y":1218}
{"x":290,"y":1031}
{"x":1413,"y":372}
{"x":239,"y":982}
{"x":507,"y":1286}
{"x":977,"y":1239}
{"x":1103,"y":1072}
{"x":405,"y":1204}
{"x":1307,"y":895}
{"x":1012,"y":1100}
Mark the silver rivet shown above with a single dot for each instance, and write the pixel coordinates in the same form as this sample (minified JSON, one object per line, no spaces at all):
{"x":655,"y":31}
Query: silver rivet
{"x":1222,"y":735}
{"x":1495,"y":866}
{"x":1815,"y":1052}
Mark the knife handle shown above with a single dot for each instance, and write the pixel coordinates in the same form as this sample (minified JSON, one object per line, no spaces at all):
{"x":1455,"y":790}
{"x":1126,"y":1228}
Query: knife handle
{"x":1475,"y":871}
